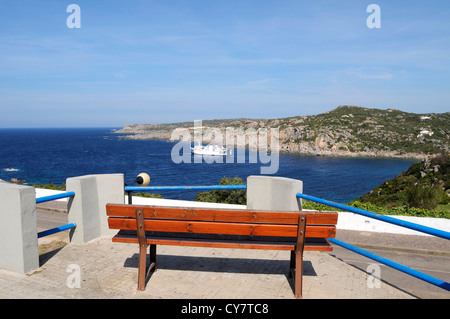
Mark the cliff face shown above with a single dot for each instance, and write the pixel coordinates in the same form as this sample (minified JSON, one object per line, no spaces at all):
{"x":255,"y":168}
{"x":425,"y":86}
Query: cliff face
{"x":344,"y":131}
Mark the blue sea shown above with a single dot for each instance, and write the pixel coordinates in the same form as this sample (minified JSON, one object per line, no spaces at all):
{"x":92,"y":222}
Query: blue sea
{"x":40,"y":156}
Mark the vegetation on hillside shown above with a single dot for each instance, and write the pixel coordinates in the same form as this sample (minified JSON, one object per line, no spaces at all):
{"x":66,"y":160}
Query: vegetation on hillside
{"x":424,"y":185}
{"x":363,"y":130}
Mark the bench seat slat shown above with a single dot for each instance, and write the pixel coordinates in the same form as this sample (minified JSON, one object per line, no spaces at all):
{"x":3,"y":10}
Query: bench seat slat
{"x":190,"y":213}
{"x":312,"y":244}
{"x":222,"y":228}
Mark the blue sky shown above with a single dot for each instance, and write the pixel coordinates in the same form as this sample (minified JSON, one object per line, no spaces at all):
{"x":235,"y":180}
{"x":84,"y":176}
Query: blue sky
{"x":166,"y":61}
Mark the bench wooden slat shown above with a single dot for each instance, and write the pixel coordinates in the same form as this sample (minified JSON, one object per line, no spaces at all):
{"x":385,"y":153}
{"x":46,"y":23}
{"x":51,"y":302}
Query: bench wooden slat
{"x":200,"y":227}
{"x":205,"y":243}
{"x":312,"y":244}
{"x":163,"y":212}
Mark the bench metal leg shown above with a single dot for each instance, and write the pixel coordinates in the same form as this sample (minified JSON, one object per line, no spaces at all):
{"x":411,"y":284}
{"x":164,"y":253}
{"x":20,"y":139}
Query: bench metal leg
{"x":142,"y":248}
{"x":298,"y":275}
{"x":143,"y":271}
{"x":296,"y":272}
{"x":142,"y":267}
{"x":296,"y":262}
{"x":292,"y":263}
{"x":152,"y":258}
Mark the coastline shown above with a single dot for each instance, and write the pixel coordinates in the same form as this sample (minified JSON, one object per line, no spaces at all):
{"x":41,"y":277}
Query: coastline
{"x":300,"y":149}
{"x":346,"y":131}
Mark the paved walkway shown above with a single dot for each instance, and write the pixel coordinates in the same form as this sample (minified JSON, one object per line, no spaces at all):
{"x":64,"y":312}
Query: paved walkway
{"x":102,"y":269}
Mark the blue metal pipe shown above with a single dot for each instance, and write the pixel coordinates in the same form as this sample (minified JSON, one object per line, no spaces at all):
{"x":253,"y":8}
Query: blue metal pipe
{"x":432,"y":280}
{"x":388,"y":219}
{"x":165,"y":188}
{"x":56,"y":230}
{"x":53,"y":197}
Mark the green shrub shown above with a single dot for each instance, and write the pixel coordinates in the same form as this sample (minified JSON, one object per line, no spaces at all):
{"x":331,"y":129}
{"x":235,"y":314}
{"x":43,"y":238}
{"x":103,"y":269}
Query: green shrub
{"x":425,"y":197}
{"x":52,"y":186}
{"x":148,"y":195}
{"x":232,"y":196}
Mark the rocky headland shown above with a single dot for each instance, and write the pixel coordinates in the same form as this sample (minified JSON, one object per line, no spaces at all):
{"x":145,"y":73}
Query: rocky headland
{"x":344,"y":131}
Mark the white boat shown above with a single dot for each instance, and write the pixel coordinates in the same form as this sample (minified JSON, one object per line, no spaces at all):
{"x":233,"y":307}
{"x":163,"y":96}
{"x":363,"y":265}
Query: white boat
{"x":211,"y":149}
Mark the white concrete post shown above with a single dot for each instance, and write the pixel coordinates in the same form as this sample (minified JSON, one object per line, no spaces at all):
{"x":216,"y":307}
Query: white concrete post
{"x":273,"y":193}
{"x":88,"y":207}
{"x":18,"y":228}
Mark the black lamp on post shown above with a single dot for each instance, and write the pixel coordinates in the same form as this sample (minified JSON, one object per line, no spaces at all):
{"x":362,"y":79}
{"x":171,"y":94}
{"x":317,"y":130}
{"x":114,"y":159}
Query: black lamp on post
{"x":143,"y":179}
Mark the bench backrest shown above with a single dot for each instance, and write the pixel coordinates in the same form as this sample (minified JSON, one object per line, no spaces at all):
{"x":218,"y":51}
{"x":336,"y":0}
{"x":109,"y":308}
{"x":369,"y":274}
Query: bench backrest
{"x":222,"y":221}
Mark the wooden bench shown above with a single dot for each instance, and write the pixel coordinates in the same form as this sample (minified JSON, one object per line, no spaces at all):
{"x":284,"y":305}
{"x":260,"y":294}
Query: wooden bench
{"x":223,"y":228}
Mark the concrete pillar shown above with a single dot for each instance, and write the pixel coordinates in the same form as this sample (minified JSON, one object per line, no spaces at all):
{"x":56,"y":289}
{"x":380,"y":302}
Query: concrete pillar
{"x":87,"y":207}
{"x":273,"y":193}
{"x":18,"y":228}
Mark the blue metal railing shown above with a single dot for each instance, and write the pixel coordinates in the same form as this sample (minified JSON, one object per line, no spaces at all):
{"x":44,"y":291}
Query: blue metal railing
{"x":393,"y":264}
{"x":53,"y":197}
{"x":388,"y":219}
{"x":56,"y":230}
{"x":166,"y":188}
{"x":59,"y":228}
{"x":130,"y":189}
